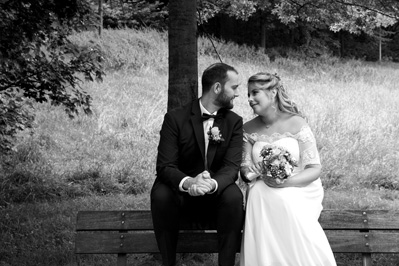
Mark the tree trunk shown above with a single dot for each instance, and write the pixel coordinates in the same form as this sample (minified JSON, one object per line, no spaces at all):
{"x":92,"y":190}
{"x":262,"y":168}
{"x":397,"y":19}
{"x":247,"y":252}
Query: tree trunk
{"x":183,"y":61}
{"x":262,"y":33}
{"x":341,"y":44}
{"x":227,"y":28}
{"x":380,"y":47}
{"x":122,"y":7}
{"x":305,"y":35}
{"x":100,"y":15}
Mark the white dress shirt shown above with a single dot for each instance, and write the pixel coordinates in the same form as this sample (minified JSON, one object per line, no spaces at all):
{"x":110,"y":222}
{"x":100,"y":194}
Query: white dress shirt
{"x":207,"y":124}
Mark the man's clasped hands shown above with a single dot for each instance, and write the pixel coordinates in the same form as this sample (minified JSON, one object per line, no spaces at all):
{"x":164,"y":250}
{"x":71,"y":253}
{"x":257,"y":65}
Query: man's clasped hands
{"x":200,"y":185}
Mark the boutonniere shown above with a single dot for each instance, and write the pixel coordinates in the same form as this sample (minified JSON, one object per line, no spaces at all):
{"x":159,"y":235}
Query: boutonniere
{"x":214,"y":135}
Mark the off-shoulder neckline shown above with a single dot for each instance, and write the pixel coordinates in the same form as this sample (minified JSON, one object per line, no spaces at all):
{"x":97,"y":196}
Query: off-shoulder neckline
{"x":277,"y":134}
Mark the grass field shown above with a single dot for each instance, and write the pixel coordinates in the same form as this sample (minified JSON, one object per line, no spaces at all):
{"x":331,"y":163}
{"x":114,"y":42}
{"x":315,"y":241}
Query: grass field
{"x":106,"y":161}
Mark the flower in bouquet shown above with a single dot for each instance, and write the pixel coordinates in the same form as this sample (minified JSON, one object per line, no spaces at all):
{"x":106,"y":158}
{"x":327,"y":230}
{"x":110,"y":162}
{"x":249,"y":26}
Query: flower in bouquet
{"x":214,"y":135}
{"x":277,"y":162}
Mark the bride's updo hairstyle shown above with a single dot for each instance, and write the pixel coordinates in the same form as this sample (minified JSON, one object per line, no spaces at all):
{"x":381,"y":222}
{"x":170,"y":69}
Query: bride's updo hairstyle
{"x":267,"y":81}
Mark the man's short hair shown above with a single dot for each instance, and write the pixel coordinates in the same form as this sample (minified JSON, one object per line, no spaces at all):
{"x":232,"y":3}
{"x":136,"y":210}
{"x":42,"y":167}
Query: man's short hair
{"x":215,"y":73}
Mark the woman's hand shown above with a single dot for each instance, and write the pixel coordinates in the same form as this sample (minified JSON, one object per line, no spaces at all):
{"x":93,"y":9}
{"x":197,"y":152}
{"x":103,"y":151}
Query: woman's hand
{"x":302,"y":179}
{"x":256,"y":168}
{"x":275,"y":183}
{"x":248,"y":174}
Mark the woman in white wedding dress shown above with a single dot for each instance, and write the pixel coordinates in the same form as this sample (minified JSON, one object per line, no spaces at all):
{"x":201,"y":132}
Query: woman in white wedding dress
{"x":281,"y":223}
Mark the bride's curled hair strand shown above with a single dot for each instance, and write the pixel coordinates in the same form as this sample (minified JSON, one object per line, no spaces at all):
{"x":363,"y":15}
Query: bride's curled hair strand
{"x":272,"y":81}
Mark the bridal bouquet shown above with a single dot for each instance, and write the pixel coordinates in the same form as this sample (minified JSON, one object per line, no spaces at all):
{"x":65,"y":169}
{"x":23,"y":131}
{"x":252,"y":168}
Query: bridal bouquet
{"x":277,"y":162}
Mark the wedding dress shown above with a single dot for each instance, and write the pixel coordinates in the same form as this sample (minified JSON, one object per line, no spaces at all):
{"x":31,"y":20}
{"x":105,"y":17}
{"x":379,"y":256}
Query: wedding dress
{"x":281,"y":224}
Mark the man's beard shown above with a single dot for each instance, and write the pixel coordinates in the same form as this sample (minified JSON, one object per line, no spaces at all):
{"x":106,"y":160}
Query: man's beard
{"x":223,"y":101}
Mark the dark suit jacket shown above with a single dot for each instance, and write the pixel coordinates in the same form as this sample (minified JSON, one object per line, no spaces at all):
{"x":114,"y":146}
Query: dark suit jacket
{"x":181,"y":150}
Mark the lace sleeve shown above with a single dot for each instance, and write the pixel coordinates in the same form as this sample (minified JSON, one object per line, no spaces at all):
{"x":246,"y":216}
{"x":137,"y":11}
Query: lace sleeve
{"x":307,"y":147}
{"x":246,"y":151}
{"x":246,"y":159}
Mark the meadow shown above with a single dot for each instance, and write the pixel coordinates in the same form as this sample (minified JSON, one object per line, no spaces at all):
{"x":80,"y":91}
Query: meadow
{"x":106,"y":161}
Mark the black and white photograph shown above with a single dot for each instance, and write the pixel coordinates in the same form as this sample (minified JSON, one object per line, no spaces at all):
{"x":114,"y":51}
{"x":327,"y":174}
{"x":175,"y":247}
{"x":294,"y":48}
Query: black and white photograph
{"x":199,"y":132}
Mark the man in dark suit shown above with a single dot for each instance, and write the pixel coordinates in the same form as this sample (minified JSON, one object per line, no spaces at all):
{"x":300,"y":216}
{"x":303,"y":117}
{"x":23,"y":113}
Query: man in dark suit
{"x":199,"y":155}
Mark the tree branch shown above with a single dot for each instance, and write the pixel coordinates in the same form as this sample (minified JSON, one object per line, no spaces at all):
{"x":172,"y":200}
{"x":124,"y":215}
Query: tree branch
{"x":396,"y":17}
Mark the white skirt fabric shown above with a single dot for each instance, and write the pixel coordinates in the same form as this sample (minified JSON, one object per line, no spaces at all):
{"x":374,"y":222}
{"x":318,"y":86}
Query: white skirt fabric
{"x":282,"y":228}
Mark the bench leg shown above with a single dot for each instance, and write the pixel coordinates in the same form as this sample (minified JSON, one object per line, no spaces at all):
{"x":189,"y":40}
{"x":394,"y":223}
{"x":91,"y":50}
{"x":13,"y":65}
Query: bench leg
{"x":77,"y":260}
{"x":366,"y":259}
{"x":122,"y":259}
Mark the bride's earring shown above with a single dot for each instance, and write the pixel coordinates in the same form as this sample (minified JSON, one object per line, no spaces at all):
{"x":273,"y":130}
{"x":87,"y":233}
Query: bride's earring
{"x":274,"y":108}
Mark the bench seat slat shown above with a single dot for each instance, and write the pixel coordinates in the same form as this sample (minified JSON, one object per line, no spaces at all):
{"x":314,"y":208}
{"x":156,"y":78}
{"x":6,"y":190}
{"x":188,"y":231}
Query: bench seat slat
{"x":206,"y":242}
{"x":329,"y":219}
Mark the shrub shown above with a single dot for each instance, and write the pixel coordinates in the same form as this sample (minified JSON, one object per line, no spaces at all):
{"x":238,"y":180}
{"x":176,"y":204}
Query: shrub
{"x":16,"y":115}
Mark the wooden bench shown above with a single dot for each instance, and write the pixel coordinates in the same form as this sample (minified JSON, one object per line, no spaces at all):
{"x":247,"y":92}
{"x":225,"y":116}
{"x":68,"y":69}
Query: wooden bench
{"x":131,"y":232}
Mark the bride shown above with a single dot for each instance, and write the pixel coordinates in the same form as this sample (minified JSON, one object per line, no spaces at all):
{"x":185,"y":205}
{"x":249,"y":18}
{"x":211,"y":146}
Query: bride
{"x":281,"y":224}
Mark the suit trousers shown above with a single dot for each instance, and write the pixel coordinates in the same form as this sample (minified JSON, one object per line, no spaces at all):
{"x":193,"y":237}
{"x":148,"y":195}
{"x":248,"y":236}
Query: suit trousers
{"x":224,"y":208}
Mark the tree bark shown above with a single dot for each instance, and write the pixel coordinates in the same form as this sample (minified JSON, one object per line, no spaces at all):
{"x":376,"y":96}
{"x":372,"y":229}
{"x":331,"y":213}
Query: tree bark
{"x":341,"y":44}
{"x":263,"y":35}
{"x":380,"y":46}
{"x":100,"y":15}
{"x":227,"y":27}
{"x":183,"y":61}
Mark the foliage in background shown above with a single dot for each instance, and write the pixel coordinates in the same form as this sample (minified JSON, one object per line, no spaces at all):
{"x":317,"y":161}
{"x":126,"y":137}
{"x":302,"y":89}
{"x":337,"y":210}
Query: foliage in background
{"x":40,"y":63}
{"x":134,"y":14}
{"x":134,"y":50}
{"x":15,"y":115}
{"x":354,"y":16}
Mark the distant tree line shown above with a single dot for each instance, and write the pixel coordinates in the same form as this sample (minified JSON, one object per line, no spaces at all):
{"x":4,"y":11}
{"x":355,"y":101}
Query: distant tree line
{"x":278,"y":38}
{"x":345,"y":28}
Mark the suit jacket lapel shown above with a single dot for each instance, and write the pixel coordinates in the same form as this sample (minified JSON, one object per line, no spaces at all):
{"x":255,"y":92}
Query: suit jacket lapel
{"x":196,"y":121}
{"x":212,"y":147}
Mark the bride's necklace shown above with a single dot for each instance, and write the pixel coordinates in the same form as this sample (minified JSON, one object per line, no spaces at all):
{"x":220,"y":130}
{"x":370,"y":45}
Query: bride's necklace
{"x":271,"y":122}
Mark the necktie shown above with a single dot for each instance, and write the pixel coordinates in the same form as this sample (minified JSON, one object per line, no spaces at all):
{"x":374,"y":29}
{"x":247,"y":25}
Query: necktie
{"x":207,"y":116}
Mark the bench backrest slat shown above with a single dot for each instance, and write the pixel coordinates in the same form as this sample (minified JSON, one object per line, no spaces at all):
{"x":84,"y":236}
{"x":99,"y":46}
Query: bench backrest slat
{"x":358,"y":219}
{"x":383,"y":220}
{"x":114,"y":220}
{"x":329,"y":219}
{"x":112,"y":243}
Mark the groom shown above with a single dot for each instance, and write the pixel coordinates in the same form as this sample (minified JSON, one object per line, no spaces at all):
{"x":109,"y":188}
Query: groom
{"x":199,"y":154}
